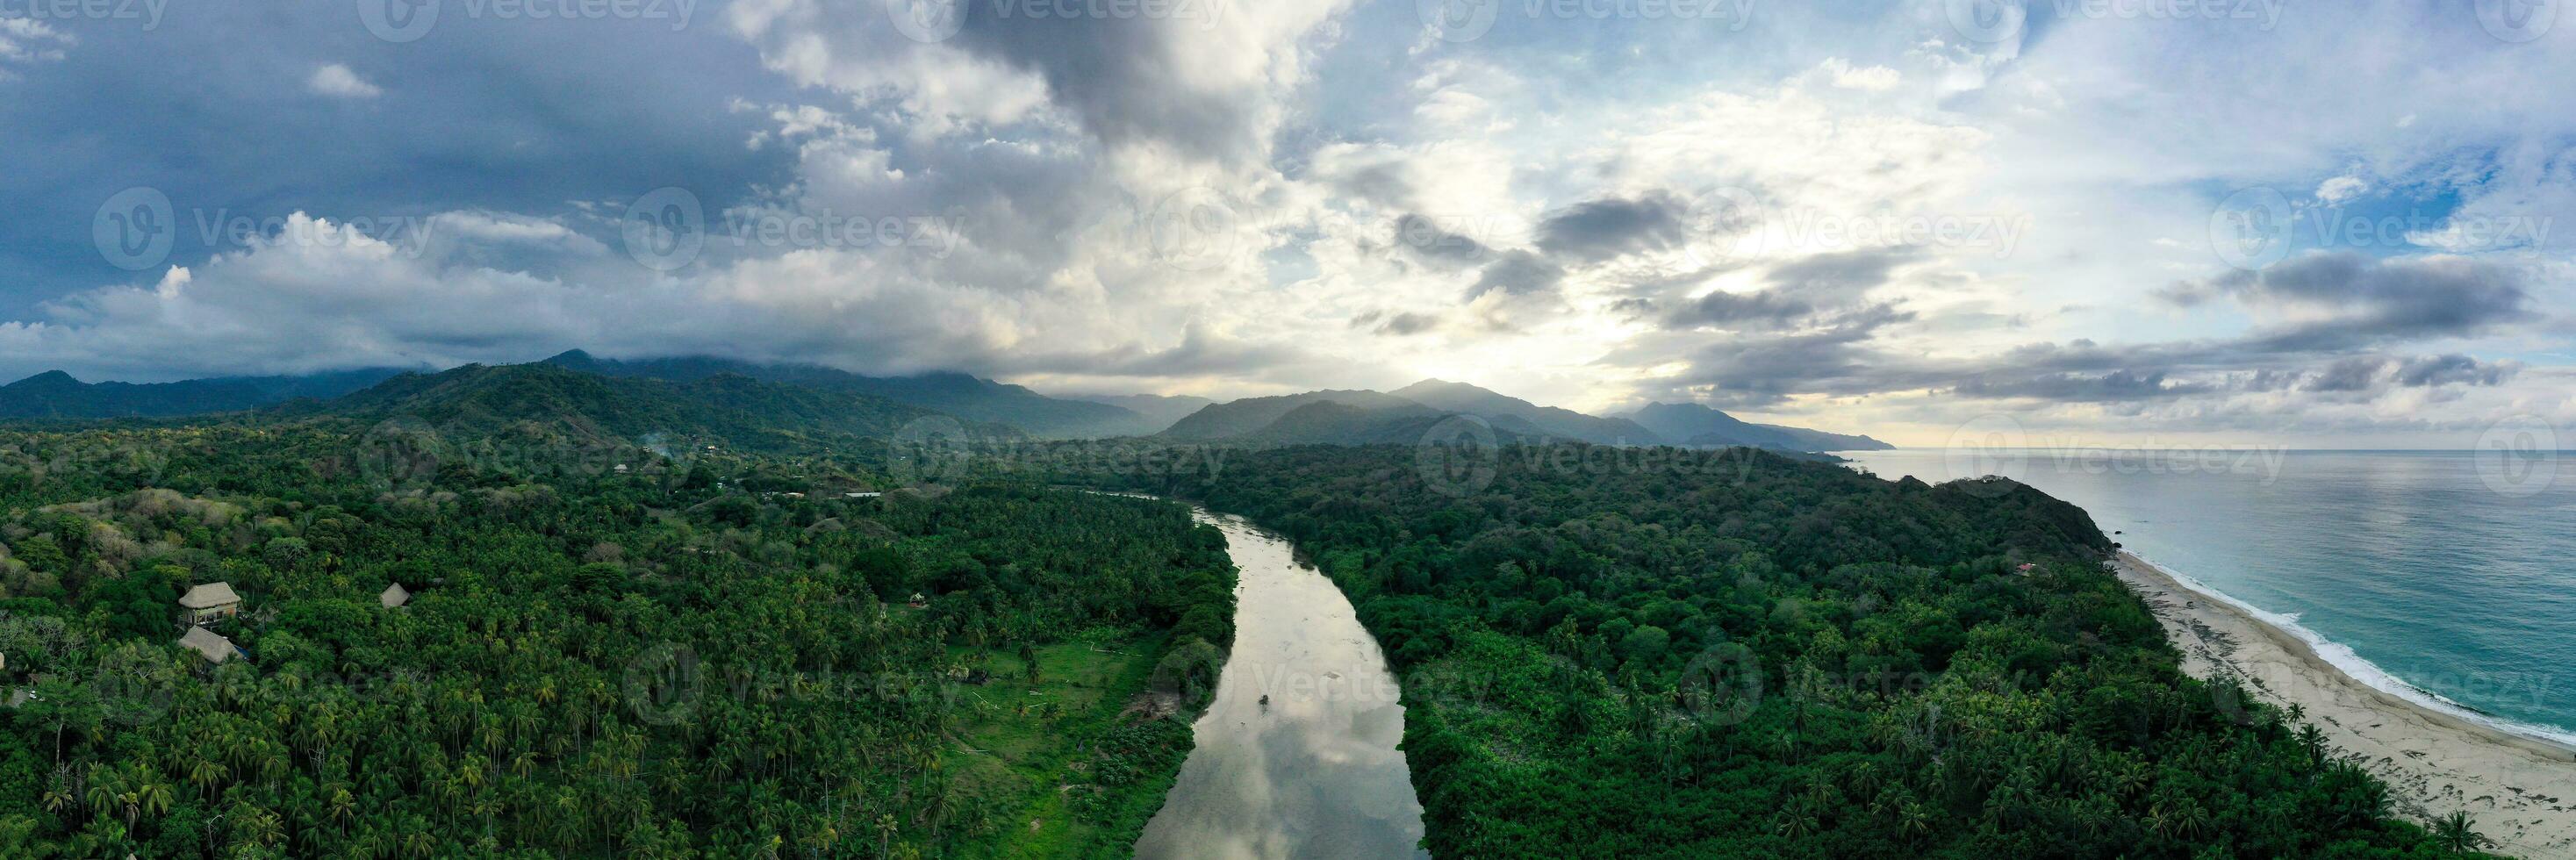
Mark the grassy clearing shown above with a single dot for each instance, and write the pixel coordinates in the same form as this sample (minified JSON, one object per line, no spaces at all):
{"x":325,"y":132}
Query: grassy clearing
{"x":1060,"y":771}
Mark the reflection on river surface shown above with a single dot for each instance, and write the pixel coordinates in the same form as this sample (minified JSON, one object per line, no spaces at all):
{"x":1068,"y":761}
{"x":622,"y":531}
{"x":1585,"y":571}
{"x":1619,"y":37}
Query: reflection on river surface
{"x":1314,"y":771}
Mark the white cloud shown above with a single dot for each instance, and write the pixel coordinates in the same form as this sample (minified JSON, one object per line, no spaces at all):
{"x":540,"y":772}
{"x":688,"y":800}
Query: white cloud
{"x":25,"y":41}
{"x":1869,"y":78}
{"x":337,"y":81}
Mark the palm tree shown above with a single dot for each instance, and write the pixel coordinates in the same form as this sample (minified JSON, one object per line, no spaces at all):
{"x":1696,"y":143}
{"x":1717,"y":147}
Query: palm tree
{"x":2314,"y":741}
{"x":2453,"y":833}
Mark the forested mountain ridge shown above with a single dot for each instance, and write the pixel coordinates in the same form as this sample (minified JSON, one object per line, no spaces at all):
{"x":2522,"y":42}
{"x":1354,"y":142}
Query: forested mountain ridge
{"x":478,"y":400}
{"x":55,"y":394}
{"x":967,"y":397}
{"x":1737,"y":654}
{"x":1247,"y":417}
{"x":1695,"y":424}
{"x":1371,"y":417}
{"x":1554,"y":421}
{"x":652,"y":664}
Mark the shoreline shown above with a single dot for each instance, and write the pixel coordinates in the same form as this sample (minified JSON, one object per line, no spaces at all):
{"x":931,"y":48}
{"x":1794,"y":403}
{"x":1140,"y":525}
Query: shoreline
{"x":2520,"y":789}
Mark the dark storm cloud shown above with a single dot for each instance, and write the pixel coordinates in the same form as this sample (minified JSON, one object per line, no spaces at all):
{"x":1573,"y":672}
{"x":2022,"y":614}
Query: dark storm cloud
{"x":2453,"y":370}
{"x":1122,"y":77}
{"x":2121,"y":385}
{"x":1428,"y":240}
{"x":1723,"y":309}
{"x":1396,"y":324}
{"x":2370,"y":300}
{"x":1518,"y":273}
{"x":2351,"y":374}
{"x":1840,"y":276}
{"x":1612,"y":226}
{"x":1798,"y":291}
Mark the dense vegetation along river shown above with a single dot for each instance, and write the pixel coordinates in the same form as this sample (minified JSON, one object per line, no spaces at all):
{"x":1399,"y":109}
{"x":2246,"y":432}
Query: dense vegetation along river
{"x":1314,"y":771}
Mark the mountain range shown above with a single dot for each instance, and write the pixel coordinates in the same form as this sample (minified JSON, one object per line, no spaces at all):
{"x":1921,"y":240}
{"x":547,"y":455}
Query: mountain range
{"x":741,"y":399}
{"x":1363,"y":417}
{"x":55,"y":394}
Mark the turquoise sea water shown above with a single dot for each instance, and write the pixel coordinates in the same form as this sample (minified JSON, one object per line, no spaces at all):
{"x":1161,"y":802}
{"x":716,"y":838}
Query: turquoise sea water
{"x":2449,"y":577}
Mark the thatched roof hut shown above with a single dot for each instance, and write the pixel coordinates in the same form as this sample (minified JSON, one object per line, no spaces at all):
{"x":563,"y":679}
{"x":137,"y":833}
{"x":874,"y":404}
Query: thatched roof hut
{"x":203,"y":641}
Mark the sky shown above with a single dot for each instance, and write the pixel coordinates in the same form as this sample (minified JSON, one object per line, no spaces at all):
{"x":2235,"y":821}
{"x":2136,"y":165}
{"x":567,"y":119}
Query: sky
{"x":2093,"y":221}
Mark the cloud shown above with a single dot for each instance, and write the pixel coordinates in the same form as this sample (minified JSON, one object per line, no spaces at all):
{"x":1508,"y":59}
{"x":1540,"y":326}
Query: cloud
{"x":1395,"y":324}
{"x":1518,"y":273}
{"x":335,"y":80}
{"x":1609,"y":227}
{"x":26,"y":41}
{"x":2454,"y":369}
{"x":2344,"y":299}
{"x":2341,"y":188}
{"x":1843,"y":74}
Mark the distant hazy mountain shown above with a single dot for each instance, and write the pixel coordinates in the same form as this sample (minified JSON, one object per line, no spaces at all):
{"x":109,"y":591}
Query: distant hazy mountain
{"x":1161,"y":411}
{"x":1366,"y":417}
{"x":746,"y":412}
{"x":966,"y":397}
{"x":1697,"y":425}
{"x":1244,"y":418}
{"x":1553,"y":421}
{"x":55,"y":394}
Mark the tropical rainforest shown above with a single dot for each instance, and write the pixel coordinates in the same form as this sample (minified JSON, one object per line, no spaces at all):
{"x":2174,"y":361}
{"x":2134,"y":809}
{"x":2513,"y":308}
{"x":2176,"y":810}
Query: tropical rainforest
{"x":1614,"y":653}
{"x":655,"y":662}
{"x":726,"y":617}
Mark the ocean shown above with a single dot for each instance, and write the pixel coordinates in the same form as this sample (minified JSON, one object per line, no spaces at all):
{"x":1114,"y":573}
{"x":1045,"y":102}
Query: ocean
{"x":2446,"y":577}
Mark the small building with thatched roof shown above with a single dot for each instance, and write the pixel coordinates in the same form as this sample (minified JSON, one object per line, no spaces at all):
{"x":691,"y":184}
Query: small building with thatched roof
{"x":212,"y":601}
{"x":203,"y":641}
{"x":394,"y":596}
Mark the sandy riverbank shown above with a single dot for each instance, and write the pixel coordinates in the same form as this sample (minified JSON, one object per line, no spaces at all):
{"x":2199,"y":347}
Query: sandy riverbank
{"x":2521,"y":791}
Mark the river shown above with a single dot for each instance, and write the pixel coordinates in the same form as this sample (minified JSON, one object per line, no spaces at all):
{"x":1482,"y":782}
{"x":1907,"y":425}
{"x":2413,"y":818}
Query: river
{"x":1314,"y":771}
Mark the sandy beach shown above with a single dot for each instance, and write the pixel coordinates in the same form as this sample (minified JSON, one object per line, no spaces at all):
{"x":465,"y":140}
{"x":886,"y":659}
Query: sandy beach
{"x":2520,"y":790}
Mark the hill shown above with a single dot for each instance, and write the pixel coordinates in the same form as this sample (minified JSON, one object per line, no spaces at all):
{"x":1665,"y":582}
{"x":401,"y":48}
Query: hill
{"x":55,"y":394}
{"x":1699,"y":426}
{"x":742,"y":411}
{"x":1563,"y":423}
{"x":1241,"y":419}
{"x":962,"y":395}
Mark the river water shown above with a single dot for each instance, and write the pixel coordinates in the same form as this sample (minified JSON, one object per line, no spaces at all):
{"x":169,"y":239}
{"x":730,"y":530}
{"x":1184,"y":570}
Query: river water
{"x":1314,"y":771}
